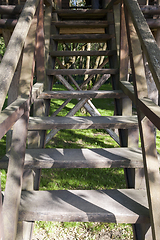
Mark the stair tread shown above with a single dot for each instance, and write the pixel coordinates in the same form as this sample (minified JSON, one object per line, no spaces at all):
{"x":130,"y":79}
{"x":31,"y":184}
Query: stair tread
{"x":99,"y":122}
{"x":81,"y":71}
{"x":119,"y":206}
{"x":81,"y":94}
{"x":82,"y":37}
{"x":80,"y":158}
{"x":81,"y":23}
{"x":82,"y":53}
{"x":82,"y":14}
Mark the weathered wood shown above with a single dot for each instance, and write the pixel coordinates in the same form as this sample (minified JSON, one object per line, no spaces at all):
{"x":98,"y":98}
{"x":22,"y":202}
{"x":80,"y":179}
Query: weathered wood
{"x":10,"y":115}
{"x":45,"y":123}
{"x":14,"y":178}
{"x":84,"y":30}
{"x":82,"y":23}
{"x":150,"y":158}
{"x":118,"y":206}
{"x":82,"y":14}
{"x":11,"y":9}
{"x":24,"y":229}
{"x":81,"y":38}
{"x":82,"y":53}
{"x":81,"y":158}
{"x":81,"y":94}
{"x":146,"y":38}
{"x":8,"y":23}
{"x":9,"y":64}
{"x":153,"y":23}
{"x":80,"y":71}
{"x":150,"y":9}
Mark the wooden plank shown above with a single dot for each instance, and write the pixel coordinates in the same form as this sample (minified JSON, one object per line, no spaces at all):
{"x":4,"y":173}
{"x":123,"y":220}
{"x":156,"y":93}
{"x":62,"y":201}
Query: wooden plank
{"x":150,"y":9}
{"x":11,"y":9}
{"x":81,"y":94}
{"x":82,"y":53}
{"x":81,"y":24}
{"x":146,"y":38}
{"x":15,"y":47}
{"x":75,"y":30}
{"x":45,"y":123}
{"x":81,"y":38}
{"x":55,"y":72}
{"x":11,"y":114}
{"x":8,"y":23}
{"x":118,"y":206}
{"x":80,"y":158}
{"x":14,"y":178}
{"x":153,"y":23}
{"x":82,"y":14}
{"x":24,"y":229}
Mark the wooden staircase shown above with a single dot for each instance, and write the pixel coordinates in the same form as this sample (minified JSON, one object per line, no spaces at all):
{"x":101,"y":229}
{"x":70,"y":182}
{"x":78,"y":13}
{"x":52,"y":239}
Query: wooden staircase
{"x":24,"y":204}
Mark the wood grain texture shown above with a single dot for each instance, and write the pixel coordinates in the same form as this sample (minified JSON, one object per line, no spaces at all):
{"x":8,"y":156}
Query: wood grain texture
{"x":82,"y":38}
{"x":44,"y":123}
{"x":80,"y":71}
{"x":82,"y":53}
{"x":82,"y":14}
{"x":81,"y":24}
{"x":118,"y":206}
{"x":9,"y":64}
{"x":81,"y":94}
{"x":81,"y":158}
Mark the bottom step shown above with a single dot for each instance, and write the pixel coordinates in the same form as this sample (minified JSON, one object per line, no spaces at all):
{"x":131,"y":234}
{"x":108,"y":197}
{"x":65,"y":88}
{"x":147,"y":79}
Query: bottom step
{"x":118,"y":206}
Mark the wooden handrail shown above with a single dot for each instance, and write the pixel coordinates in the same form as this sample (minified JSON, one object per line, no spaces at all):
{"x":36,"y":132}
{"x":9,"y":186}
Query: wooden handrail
{"x":146,"y":38}
{"x":14,"y":48}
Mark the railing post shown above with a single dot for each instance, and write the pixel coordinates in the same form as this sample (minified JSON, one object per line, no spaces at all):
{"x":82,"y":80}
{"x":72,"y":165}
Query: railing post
{"x":151,"y":167}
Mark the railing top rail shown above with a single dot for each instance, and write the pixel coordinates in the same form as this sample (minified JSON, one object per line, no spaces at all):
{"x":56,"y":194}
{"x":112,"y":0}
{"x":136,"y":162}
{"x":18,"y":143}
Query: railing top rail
{"x":14,"y":48}
{"x":146,"y":38}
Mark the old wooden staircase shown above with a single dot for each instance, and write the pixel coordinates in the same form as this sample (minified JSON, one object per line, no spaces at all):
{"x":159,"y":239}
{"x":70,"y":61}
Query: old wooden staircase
{"x":32,"y":30}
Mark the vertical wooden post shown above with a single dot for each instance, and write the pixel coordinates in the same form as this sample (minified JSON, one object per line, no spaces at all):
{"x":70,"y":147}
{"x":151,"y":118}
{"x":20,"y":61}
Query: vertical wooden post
{"x":14,"y":177}
{"x":1,"y":219}
{"x":25,"y":85}
{"x":150,"y":159}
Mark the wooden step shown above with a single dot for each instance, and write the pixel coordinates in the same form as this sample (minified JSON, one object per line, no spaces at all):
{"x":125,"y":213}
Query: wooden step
{"x":82,"y":38}
{"x":118,"y":206}
{"x":81,"y":24}
{"x":80,"y":158}
{"x":82,"y":14}
{"x":81,"y":94}
{"x":83,"y":30}
{"x":82,"y":53}
{"x":81,"y":71}
{"x":99,"y":122}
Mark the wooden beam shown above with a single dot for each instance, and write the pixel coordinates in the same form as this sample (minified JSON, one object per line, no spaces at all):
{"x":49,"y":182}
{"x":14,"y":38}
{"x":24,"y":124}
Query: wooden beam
{"x":14,"y":178}
{"x":9,"y":64}
{"x":146,"y":38}
{"x":55,"y":72}
{"x":82,"y":53}
{"x":146,"y":127}
{"x":81,"y":94}
{"x":81,"y":38}
{"x":101,"y":122}
{"x":81,"y":24}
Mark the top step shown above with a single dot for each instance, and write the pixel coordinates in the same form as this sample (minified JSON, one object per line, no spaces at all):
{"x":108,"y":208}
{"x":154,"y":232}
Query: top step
{"x":82,"y":14}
